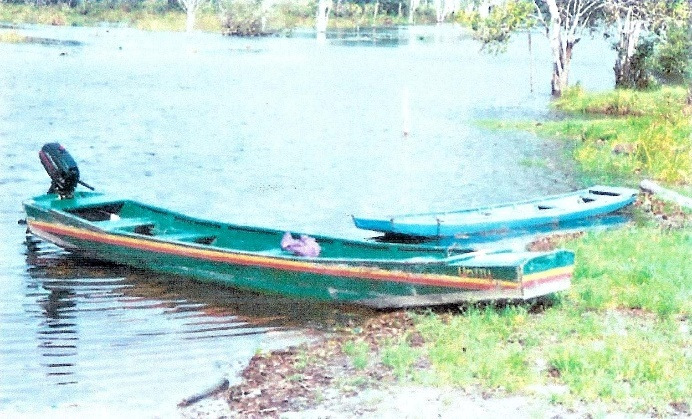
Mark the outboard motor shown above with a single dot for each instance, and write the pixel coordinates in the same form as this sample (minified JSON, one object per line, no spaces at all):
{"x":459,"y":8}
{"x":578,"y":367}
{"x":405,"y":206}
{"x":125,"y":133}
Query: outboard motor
{"x":61,"y":168}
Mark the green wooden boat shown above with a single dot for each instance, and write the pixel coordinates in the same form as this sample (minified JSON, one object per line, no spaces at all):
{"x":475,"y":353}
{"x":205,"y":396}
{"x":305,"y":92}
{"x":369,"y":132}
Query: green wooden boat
{"x":360,"y":272}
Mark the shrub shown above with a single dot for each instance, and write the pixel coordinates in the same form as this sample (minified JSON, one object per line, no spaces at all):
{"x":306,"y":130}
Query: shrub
{"x":242,"y":17}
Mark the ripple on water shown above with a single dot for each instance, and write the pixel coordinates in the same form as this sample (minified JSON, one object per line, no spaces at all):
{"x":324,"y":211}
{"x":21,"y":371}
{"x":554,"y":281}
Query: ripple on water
{"x":105,"y":333}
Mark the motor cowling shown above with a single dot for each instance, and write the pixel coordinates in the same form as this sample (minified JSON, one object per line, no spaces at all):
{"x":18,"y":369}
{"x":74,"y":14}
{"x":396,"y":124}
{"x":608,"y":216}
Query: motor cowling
{"x":61,"y":168}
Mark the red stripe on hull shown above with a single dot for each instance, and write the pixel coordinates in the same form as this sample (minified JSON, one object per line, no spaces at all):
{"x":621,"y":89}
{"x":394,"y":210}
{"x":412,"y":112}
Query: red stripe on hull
{"x":440,"y":280}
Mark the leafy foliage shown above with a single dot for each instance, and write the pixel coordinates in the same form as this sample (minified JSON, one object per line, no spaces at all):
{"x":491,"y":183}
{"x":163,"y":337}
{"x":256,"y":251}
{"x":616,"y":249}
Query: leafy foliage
{"x":663,"y":51}
{"x":671,"y":58}
{"x":495,"y":30}
{"x":242,"y":17}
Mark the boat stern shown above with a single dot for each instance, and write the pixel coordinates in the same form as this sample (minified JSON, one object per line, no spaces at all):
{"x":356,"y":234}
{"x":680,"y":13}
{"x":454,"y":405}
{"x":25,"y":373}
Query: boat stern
{"x":547,"y":273}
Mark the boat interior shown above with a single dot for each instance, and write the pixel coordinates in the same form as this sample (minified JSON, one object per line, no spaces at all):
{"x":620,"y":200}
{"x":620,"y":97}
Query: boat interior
{"x":129,"y":217}
{"x":561,"y":203}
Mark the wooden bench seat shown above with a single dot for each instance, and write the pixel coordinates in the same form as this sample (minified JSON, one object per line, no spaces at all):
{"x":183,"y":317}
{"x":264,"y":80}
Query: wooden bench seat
{"x":137,"y":225}
{"x":189,"y":237}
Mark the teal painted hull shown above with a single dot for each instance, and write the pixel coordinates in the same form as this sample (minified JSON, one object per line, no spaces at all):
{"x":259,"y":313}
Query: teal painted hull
{"x":591,"y":202}
{"x":351,"y":271}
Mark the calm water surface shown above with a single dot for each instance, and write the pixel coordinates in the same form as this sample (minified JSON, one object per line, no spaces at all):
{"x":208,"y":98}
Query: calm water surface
{"x":293,"y":134}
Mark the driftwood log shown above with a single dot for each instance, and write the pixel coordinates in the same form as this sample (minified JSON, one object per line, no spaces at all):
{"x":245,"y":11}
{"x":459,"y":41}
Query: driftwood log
{"x":218,"y":387}
{"x":654,"y":188}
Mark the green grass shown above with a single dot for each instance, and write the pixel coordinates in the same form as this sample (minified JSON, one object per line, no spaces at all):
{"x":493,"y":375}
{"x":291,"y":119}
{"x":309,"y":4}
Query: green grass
{"x":622,"y":136}
{"x":401,"y":358}
{"x":634,"y":365}
{"x":358,"y":352}
{"x":620,"y":337}
{"x":635,"y":268}
{"x":481,"y":347}
{"x":623,"y":102}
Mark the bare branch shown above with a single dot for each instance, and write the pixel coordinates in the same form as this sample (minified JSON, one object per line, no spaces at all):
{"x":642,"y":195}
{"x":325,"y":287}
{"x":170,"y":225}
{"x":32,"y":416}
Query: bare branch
{"x":539,"y":15}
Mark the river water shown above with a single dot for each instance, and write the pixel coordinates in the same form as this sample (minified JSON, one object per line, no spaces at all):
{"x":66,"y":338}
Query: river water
{"x":291,"y":133}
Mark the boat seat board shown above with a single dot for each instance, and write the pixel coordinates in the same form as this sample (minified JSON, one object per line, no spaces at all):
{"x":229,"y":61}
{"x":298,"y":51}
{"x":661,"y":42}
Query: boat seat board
{"x":85,"y":201}
{"x":129,"y":224}
{"x":187,"y":237}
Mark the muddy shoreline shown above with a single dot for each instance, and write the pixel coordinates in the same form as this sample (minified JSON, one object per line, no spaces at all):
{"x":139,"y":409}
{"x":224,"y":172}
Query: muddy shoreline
{"x":282,"y":384}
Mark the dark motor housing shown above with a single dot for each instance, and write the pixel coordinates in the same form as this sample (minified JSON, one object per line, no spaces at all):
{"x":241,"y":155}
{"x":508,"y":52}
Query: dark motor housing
{"x":61,"y":168}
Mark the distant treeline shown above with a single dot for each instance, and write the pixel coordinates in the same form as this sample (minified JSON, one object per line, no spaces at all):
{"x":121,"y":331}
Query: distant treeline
{"x":340,"y":7}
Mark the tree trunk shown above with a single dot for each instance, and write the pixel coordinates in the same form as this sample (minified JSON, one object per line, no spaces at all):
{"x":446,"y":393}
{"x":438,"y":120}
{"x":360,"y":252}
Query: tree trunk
{"x":689,"y":35}
{"x":190,"y":20}
{"x":322,"y":15}
{"x":413,"y":5}
{"x":530,"y":61}
{"x":561,"y":64}
{"x":629,"y":30}
{"x":558,"y":46}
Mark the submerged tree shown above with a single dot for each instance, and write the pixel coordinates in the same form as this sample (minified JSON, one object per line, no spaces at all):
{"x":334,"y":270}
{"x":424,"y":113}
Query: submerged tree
{"x":322,"y":20}
{"x":568,"y":20}
{"x":564,"y":22}
{"x":243,"y":17}
{"x":191,"y":7}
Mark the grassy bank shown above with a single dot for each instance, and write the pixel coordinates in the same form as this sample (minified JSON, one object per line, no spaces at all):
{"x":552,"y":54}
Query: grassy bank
{"x":623,"y":136}
{"x":620,"y":338}
{"x":618,"y":342}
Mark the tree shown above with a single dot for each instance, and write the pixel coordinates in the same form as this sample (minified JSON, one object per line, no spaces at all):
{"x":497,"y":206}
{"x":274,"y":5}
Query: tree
{"x":564,"y":22}
{"x":568,"y":20}
{"x":413,"y":5}
{"x":689,"y":37}
{"x":243,"y":17}
{"x":629,"y":18}
{"x":191,"y":7}
{"x":493,"y":25}
{"x":652,"y":37}
{"x":322,"y":20}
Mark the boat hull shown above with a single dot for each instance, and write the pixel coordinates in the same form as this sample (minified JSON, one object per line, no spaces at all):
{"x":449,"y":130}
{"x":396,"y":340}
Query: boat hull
{"x":419,"y":277}
{"x":593,"y":202}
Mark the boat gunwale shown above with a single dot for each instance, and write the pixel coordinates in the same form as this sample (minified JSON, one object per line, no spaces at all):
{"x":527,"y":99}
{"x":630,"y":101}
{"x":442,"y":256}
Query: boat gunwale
{"x":503,"y":216}
{"x":621,"y":196}
{"x":314,"y":266}
{"x":521,"y":258}
{"x":432,"y":255}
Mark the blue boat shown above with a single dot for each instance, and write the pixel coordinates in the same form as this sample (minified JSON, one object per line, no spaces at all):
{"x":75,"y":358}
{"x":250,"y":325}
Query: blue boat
{"x":553,"y":210}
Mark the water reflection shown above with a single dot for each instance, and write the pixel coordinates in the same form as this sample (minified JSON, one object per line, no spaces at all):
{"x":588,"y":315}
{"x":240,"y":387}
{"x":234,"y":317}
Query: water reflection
{"x":62,"y":273}
{"x":101,"y":323}
{"x":387,"y":36}
{"x":376,"y":37}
